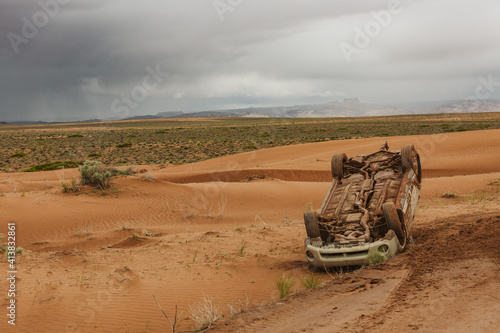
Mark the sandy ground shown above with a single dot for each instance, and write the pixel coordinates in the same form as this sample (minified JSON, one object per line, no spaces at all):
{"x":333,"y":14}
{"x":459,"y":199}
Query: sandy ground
{"x":224,"y":229}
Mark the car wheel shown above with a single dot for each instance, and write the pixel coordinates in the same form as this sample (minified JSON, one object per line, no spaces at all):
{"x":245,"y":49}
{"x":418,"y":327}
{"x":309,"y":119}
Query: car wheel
{"x":408,"y":156}
{"x":338,"y":165}
{"x":393,"y":221}
{"x":312,"y":226}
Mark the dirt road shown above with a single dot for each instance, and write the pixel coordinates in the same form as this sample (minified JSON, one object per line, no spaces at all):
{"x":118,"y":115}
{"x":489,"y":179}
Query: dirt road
{"x":449,"y":281}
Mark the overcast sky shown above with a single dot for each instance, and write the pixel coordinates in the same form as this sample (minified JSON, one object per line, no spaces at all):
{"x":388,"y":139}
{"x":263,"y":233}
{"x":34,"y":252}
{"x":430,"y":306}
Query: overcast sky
{"x":82,"y":59}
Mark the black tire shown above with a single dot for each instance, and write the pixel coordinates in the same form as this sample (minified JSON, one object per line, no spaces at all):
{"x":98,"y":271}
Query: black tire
{"x":419,"y":171}
{"x":408,"y":156}
{"x":312,"y":226}
{"x":338,"y":165}
{"x":393,"y":222}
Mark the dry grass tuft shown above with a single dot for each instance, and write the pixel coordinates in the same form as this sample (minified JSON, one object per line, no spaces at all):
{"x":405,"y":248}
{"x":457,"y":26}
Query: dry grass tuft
{"x":84,"y":230}
{"x":284,"y":284}
{"x":240,"y":307}
{"x":311,"y":282}
{"x":148,"y":177}
{"x":205,"y":312}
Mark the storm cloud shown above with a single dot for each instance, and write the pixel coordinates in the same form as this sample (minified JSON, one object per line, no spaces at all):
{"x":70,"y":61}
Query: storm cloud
{"x":81,"y":59}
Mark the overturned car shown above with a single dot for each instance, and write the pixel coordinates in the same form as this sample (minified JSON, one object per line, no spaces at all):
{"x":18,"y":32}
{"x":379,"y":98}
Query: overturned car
{"x":368,"y":209}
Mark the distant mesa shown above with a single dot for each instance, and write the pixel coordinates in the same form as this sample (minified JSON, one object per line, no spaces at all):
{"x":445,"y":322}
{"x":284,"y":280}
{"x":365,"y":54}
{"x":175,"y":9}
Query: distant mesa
{"x":351,"y":101}
{"x":141,"y":117}
{"x":469,"y":106}
{"x":348,"y":107}
{"x":169,"y":114}
{"x":39,"y":122}
{"x":157,"y":116}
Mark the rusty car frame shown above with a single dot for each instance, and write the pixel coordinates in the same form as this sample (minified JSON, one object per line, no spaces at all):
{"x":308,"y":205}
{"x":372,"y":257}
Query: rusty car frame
{"x":368,"y":210}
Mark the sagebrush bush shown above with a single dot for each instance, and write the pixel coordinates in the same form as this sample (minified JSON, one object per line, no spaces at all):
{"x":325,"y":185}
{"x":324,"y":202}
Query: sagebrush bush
{"x":54,"y":166}
{"x":94,"y":174}
{"x":124,"y":145}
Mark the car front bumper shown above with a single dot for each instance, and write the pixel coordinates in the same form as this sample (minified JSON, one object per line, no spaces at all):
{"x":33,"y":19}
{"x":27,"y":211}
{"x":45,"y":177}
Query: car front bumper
{"x":330,"y":256}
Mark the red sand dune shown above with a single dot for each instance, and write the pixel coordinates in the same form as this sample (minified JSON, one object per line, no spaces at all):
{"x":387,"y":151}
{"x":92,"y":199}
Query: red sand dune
{"x":225,"y":228}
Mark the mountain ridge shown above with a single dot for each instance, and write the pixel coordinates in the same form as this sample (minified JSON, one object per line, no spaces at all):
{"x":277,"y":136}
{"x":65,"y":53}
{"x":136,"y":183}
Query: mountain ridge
{"x":349,"y":107}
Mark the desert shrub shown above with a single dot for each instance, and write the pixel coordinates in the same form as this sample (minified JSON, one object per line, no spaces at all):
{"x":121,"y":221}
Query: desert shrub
{"x":124,"y":145}
{"x":17,"y":155}
{"x":284,"y":285}
{"x":494,"y":182}
{"x":124,"y":172}
{"x":94,"y":174}
{"x":73,"y":188}
{"x":148,"y":233}
{"x":4,"y":248}
{"x":94,"y":155}
{"x":250,"y":147}
{"x":75,"y":136}
{"x":54,"y":166}
{"x":127,"y":171}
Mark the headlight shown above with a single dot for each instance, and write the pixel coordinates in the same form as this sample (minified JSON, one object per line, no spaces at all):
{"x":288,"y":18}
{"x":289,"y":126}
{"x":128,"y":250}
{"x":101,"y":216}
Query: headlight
{"x":309,"y":255}
{"x":383,"y":248}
